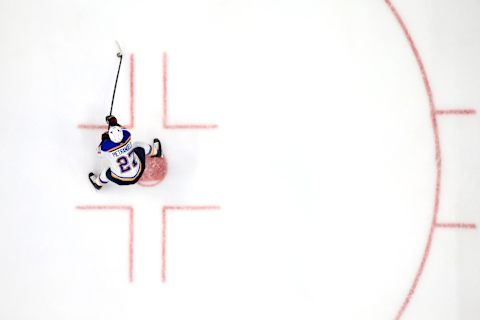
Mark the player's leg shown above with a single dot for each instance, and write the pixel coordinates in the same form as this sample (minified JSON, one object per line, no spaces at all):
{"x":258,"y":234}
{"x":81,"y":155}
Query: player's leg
{"x":102,"y":178}
{"x":98,"y":181}
{"x":147,"y":149}
{"x":154,"y":150}
{"x":121,"y":181}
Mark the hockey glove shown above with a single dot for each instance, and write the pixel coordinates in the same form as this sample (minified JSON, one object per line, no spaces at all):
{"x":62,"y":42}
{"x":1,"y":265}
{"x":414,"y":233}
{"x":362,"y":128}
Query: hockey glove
{"x":111,"y":121}
{"x":105,"y":136}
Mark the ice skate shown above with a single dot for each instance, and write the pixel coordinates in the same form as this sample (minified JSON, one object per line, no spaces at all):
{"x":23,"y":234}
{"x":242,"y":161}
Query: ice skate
{"x":92,"y":178}
{"x":158,"y":146}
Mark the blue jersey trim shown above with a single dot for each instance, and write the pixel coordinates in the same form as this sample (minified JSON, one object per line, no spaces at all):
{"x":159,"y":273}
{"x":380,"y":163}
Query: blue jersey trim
{"x":108,"y":145}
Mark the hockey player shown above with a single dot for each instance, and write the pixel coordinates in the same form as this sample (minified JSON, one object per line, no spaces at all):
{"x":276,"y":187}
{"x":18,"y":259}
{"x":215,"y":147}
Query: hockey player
{"x":127,"y":159}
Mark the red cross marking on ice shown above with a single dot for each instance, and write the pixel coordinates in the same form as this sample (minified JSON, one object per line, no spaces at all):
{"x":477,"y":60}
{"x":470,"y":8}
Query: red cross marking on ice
{"x":166,"y":125}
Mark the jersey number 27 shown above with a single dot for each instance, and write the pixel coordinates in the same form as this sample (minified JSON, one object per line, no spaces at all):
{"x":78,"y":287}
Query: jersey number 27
{"x":128,"y":162}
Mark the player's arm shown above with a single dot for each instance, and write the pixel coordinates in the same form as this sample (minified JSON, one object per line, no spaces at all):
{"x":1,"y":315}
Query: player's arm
{"x":104,"y":137}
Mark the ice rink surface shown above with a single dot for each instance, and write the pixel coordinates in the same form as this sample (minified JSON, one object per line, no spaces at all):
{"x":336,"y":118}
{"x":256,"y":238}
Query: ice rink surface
{"x":339,"y":179}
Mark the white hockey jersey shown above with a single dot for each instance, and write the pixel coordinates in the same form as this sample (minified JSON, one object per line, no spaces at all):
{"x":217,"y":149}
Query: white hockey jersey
{"x":124,"y":163}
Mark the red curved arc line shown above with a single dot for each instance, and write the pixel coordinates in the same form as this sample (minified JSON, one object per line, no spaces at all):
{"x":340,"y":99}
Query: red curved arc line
{"x":438,"y":158}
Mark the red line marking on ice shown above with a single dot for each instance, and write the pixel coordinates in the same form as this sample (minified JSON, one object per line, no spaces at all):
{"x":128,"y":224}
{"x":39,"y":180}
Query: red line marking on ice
{"x":131,"y":124}
{"x":164,"y":244}
{"x":164,"y":231}
{"x":456,"y":225}
{"x":132,"y":92}
{"x":130,"y":230}
{"x":438,"y":158}
{"x":463,"y":112}
{"x":166,"y":125}
{"x":130,"y":245}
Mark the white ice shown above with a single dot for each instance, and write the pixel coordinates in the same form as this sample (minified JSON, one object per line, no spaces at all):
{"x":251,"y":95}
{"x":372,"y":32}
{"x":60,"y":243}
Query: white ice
{"x":323,"y":163}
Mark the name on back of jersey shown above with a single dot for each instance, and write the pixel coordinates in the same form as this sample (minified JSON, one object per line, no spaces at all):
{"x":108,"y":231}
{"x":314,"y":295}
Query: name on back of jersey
{"x":122,"y":150}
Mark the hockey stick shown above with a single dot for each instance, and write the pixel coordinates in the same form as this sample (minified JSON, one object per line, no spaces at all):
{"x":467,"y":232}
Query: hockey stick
{"x":119,"y":55}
